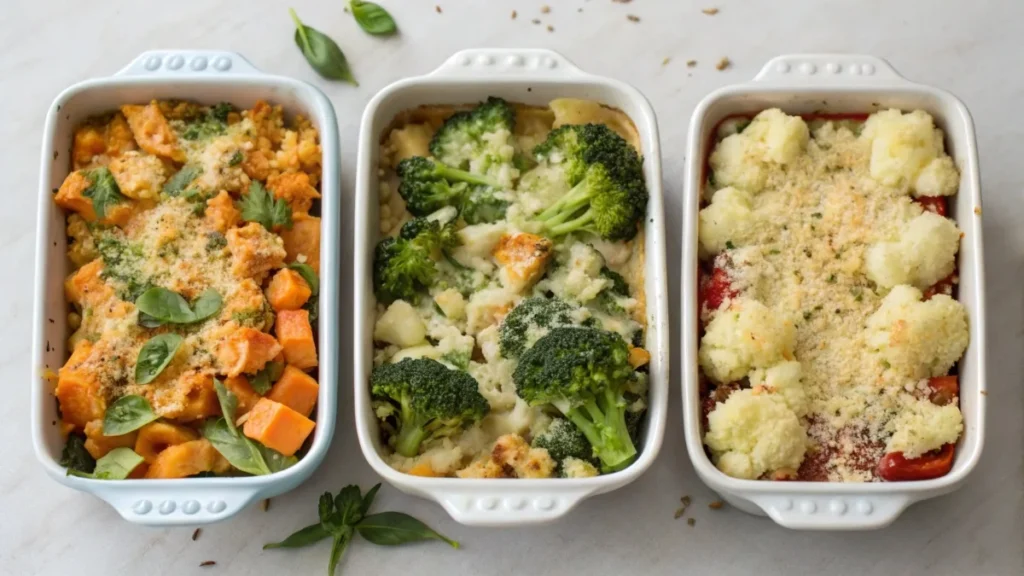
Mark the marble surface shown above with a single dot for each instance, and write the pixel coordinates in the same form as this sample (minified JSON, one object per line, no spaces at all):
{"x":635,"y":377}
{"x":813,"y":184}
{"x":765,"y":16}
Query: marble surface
{"x":970,"y":48}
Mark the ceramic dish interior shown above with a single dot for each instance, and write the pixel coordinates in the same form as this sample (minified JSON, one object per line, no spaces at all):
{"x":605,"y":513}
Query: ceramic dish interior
{"x":207,"y":77}
{"x":839,"y":84}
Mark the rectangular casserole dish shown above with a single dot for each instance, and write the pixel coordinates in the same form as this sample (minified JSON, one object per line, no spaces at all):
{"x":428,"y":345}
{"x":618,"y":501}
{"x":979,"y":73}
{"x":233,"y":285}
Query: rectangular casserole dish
{"x":838,"y":84}
{"x":530,"y":77}
{"x":208,"y":77}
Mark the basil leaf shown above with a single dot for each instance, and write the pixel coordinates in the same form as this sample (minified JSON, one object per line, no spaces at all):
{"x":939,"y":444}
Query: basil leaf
{"x":239,"y":451}
{"x":372,"y":18}
{"x":126,"y":414}
{"x":368,"y":499}
{"x":309,"y":535}
{"x":102,"y":190}
{"x":308,"y":274}
{"x":75,"y":456}
{"x":313,"y":307}
{"x":393,"y":528}
{"x":147,"y":321}
{"x":155,"y":355}
{"x":348,"y":504}
{"x":325,"y":509}
{"x":176,"y":184}
{"x":208,"y":304}
{"x":266,"y":378}
{"x":228,"y":404}
{"x":115,"y":465}
{"x":322,"y":53}
{"x":260,"y":206}
{"x":274,"y":459}
{"x":337,"y":549}
{"x":165,"y":305}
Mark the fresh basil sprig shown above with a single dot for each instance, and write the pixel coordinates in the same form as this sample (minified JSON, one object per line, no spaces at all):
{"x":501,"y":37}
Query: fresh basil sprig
{"x":322,"y":53}
{"x":265,"y":379}
{"x":240,"y":451}
{"x":126,"y":414}
{"x":75,"y":456}
{"x":155,"y":355}
{"x":260,"y":206}
{"x":343,"y":515}
{"x":102,"y":190}
{"x":161,"y":305}
{"x":373,"y":18}
{"x":115,"y":465}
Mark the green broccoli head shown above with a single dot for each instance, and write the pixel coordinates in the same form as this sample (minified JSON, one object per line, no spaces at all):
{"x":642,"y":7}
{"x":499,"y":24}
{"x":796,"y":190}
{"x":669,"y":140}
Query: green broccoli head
{"x":608,"y":201}
{"x":530,"y":320}
{"x":483,"y":205}
{"x":564,"y":440}
{"x":427,"y":186}
{"x":431,"y":235}
{"x":430,"y":401}
{"x":576,"y":146}
{"x":608,"y":299}
{"x":401,"y":270}
{"x":477,"y":139}
{"x":582,"y":372}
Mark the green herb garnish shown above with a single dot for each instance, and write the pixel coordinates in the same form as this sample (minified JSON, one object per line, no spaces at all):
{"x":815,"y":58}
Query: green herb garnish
{"x":161,"y":305}
{"x":75,"y":456}
{"x":729,"y":245}
{"x":372,"y":18}
{"x":322,"y":53}
{"x":241,"y":452}
{"x":236,"y":158}
{"x":260,"y":206}
{"x":155,"y":355}
{"x":126,"y":414}
{"x":266,"y":378}
{"x":102,"y":190}
{"x":115,"y":465}
{"x":177,"y":184}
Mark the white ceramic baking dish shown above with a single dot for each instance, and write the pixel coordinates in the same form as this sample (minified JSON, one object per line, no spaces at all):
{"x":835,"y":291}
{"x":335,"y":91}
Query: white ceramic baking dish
{"x":531,"y":77}
{"x":209,"y":77}
{"x":834,"y":83}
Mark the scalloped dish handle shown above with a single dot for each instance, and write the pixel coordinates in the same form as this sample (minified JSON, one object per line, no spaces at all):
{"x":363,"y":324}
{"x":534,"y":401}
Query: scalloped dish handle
{"x":175,"y":506}
{"x":833,"y":511}
{"x":510,"y":507}
{"x":507,"y":62}
{"x":177,"y":63}
{"x":829,"y":70}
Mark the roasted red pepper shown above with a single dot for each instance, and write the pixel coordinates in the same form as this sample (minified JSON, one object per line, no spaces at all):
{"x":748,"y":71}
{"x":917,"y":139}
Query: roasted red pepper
{"x":935,"y":204}
{"x":895,"y":468}
{"x":944,"y":286}
{"x":943,"y":389}
{"x":715,"y":290}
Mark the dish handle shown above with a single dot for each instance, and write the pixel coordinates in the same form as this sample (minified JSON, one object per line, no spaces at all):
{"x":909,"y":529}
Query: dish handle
{"x":179,"y":63}
{"x":829,"y":70}
{"x":833,"y":511}
{"x":174,"y":506}
{"x":507,"y":63}
{"x":510,"y":506}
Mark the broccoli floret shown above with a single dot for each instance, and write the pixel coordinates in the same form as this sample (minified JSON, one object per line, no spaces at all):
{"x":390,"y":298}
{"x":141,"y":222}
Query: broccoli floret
{"x":607,"y":202}
{"x":401,"y":270}
{"x":430,"y":401}
{"x":467,"y":139}
{"x":608,"y":299}
{"x":529,"y":321}
{"x":582,"y":372}
{"x":431,"y":235}
{"x":564,"y":440}
{"x":576,"y":146}
{"x":619,"y":285}
{"x":482,"y":205}
{"x":428,"y":186}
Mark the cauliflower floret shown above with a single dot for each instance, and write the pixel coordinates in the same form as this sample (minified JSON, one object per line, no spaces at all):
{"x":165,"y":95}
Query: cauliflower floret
{"x":487,"y":307}
{"x":938,"y":178}
{"x":728,"y":218}
{"x":479,"y":240}
{"x":521,"y":419}
{"x":511,"y":457}
{"x":924,"y":254}
{"x":576,"y":468}
{"x":422,"y":351}
{"x":784,"y":380}
{"x":923,"y":426}
{"x":494,"y":380}
{"x":400,"y":325}
{"x":772,"y":137}
{"x":83,"y":245}
{"x":753,"y":434}
{"x":748,"y":335}
{"x":916,"y":339}
{"x":452,"y":303}
{"x":578,"y":277}
{"x":902,"y":146}
{"x":489,"y":341}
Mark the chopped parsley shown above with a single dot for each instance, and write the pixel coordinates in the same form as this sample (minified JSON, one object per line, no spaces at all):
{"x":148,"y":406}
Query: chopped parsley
{"x":259,"y":205}
{"x":236,"y":158}
{"x":102,"y":190}
{"x":729,"y":245}
{"x":831,"y":278}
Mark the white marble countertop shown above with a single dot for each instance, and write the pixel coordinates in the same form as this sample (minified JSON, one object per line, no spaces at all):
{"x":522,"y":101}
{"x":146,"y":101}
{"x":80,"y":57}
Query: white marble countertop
{"x":971,"y":48}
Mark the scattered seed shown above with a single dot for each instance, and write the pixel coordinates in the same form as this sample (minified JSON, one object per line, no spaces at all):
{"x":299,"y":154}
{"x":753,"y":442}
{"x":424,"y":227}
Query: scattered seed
{"x":716,"y":505}
{"x":691,"y":521}
{"x":723,"y":64}
{"x":691,"y":63}
{"x":195,"y":535}
{"x":206,"y":563}
{"x":535,"y":20}
{"x":551,"y":28}
{"x":666,"y":61}
{"x":710,"y":11}
{"x":545,"y":9}
{"x":679,"y":513}
{"x":632,"y":18}
{"x":514,"y":14}
{"x":266,"y":504}
{"x":685,"y":500}
{"x":437,"y":8}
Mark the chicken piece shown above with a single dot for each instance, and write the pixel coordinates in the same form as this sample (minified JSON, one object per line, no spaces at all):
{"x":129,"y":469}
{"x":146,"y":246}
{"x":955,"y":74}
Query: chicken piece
{"x":255,"y":251}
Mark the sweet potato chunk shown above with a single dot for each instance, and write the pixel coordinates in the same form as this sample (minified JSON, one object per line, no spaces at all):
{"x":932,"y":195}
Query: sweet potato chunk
{"x":240,"y":387}
{"x":523,"y":257}
{"x":95,"y":145}
{"x":277,"y":426}
{"x":423,"y":469}
{"x":187,"y":459}
{"x":296,"y":337}
{"x":287,"y":290}
{"x":155,"y":437}
{"x":296,"y":390}
{"x":78,"y":390}
{"x":71,"y":196}
{"x":221,"y":213}
{"x":152,"y":131}
{"x":255,"y":251}
{"x":196,"y":398}
{"x":303,"y":240}
{"x":246,"y":350}
{"x":85,"y":287}
{"x":638,"y":356}
{"x":98,"y":445}
{"x":296,"y":190}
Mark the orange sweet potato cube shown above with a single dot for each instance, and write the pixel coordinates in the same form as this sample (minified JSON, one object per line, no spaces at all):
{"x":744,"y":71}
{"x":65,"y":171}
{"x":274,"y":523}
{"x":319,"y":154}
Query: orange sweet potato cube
{"x":287,"y":290}
{"x":78,"y":390}
{"x":277,"y":426}
{"x":188,"y":459}
{"x":71,"y":196}
{"x":303,"y":240}
{"x":246,"y":350}
{"x":296,"y":390}
{"x":296,"y":337}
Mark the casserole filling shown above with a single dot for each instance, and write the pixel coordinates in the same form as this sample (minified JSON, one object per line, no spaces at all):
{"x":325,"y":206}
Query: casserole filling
{"x":510,"y":331}
{"x":194,"y":244}
{"x":829,"y":334}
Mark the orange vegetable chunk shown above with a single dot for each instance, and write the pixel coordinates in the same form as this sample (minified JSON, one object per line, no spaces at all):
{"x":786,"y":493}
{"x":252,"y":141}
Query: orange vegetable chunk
{"x":152,"y":131}
{"x":303,"y":240}
{"x":78,"y":390}
{"x":98,"y":445}
{"x":155,"y":437}
{"x":287,"y":290}
{"x":296,"y":390}
{"x":188,"y":459}
{"x":247,"y":350}
{"x":240,"y":387}
{"x":277,"y":426}
{"x":296,"y":337}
